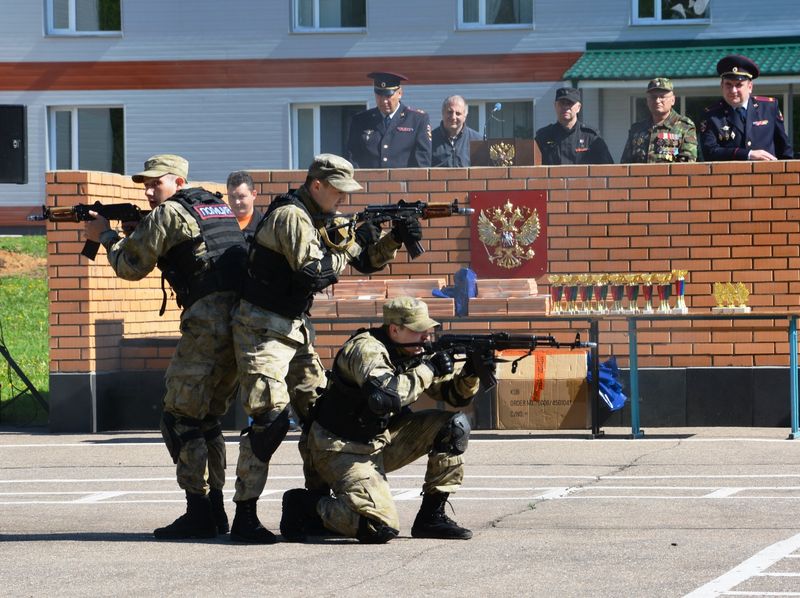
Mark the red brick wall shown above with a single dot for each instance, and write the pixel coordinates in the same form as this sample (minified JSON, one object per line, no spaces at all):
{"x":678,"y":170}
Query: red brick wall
{"x":723,"y":222}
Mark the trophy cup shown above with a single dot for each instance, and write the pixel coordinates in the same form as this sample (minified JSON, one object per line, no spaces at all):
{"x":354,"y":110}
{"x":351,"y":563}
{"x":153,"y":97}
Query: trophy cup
{"x":570,"y":291}
{"x":664,"y":283}
{"x":600,"y":282}
{"x":584,"y":293}
{"x":647,"y":292}
{"x":679,"y":276}
{"x":617,"y":282}
{"x":632,"y":292}
{"x":556,"y":293}
{"x":731,"y":298}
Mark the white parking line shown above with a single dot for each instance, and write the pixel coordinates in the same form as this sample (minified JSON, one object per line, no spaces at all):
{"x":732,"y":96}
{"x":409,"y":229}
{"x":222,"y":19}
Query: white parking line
{"x":755,"y":565}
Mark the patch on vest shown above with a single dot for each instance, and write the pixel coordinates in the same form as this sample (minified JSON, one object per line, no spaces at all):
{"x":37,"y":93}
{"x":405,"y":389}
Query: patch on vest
{"x":214,"y":211}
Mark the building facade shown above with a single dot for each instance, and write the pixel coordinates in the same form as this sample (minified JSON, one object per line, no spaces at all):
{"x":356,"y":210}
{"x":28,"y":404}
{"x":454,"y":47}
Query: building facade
{"x":264,"y":85}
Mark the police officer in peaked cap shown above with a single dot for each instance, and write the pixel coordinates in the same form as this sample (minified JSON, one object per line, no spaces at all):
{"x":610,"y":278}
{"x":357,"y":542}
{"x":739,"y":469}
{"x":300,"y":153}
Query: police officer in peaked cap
{"x":391,"y":135}
{"x":742,"y":126}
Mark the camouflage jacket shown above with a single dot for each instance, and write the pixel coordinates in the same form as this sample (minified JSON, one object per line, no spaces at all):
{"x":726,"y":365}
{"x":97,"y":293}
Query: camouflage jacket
{"x":674,"y":140}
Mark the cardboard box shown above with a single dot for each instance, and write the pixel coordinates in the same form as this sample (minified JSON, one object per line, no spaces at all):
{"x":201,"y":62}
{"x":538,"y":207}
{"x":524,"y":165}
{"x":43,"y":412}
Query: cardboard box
{"x":548,"y":391}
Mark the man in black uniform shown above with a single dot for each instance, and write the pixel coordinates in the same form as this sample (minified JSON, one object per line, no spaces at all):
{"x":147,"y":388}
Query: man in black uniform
{"x":569,"y":141}
{"x":742,"y":126}
{"x":391,"y":135}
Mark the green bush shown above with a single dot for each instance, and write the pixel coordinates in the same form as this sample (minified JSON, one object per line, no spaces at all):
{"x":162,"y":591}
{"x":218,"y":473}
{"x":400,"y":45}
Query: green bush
{"x":24,"y":334}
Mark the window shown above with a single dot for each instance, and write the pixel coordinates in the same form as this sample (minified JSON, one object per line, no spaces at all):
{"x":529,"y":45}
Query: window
{"x":648,"y":12}
{"x":495,"y":13}
{"x":511,"y":119}
{"x":320,"y":129}
{"x":329,"y":15}
{"x":86,"y":139}
{"x":71,"y":17}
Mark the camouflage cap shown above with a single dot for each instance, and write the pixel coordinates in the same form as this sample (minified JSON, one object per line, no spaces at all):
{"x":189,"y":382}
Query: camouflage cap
{"x":660,"y":84}
{"x":335,"y":170}
{"x":409,"y":312}
{"x":161,"y":164}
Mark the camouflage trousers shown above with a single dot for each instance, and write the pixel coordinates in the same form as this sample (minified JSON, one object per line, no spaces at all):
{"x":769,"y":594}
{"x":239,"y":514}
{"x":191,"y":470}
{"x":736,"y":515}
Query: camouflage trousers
{"x":357,"y":472}
{"x":201,"y":384}
{"x":277,"y":365}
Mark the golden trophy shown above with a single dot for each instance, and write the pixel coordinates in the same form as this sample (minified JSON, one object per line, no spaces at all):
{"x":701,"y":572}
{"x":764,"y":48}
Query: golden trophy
{"x":617,"y":283}
{"x":600,"y":282}
{"x":647,"y":292}
{"x":570,"y":291}
{"x":664,"y":283}
{"x":584,"y":293}
{"x":632,"y":292}
{"x":679,"y":277}
{"x":556,"y":292}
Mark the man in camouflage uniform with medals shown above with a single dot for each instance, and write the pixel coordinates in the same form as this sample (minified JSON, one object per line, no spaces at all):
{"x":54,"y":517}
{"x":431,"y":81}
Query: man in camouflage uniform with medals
{"x":296,"y":253}
{"x":192,"y":236}
{"x":364,"y":429}
{"x":664,"y":137}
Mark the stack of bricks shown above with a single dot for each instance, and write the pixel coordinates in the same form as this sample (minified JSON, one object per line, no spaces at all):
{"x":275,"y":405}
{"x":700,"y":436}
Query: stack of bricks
{"x":722,"y":222}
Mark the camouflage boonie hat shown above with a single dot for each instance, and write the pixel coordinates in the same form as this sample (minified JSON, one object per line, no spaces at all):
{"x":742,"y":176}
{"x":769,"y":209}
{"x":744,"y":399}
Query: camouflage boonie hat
{"x":660,"y":84}
{"x":334,"y":169}
{"x":409,"y":312}
{"x":161,"y":164}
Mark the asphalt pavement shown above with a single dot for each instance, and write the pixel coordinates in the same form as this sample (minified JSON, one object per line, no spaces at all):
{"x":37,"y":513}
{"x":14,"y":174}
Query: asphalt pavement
{"x":683,"y":511}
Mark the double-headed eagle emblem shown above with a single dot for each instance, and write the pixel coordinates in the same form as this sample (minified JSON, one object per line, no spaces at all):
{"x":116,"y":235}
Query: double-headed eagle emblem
{"x":510,"y":231}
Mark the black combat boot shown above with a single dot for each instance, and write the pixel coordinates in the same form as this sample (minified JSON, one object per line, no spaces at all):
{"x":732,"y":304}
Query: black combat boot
{"x":218,"y":510}
{"x":197,"y":522}
{"x":299,"y":518}
{"x":374,"y":532}
{"x":432,"y":522}
{"x":246,"y":526}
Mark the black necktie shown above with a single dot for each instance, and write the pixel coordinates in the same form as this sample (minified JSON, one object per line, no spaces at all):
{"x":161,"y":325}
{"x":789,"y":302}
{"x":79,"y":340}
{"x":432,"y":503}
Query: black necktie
{"x":387,"y":120}
{"x":742,"y":112}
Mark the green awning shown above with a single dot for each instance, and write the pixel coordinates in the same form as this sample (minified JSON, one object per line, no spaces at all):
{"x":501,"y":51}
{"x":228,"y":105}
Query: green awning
{"x":681,"y":59}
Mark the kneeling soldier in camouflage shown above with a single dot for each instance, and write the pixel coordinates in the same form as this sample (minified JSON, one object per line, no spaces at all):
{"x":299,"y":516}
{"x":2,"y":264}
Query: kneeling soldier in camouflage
{"x":364,"y":429}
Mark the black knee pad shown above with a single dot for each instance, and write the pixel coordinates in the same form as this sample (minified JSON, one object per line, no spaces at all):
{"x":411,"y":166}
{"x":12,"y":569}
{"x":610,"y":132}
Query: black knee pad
{"x":374,"y":532}
{"x":265,"y":442}
{"x":172,"y":439}
{"x":454,"y":435}
{"x":212,"y":427}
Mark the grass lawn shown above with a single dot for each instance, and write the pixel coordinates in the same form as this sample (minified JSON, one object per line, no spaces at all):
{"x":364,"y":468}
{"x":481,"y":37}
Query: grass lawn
{"x":24,"y":332}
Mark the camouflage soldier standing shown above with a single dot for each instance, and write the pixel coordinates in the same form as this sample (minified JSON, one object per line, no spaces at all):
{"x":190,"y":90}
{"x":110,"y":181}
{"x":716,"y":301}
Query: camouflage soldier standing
{"x":289,"y":261}
{"x":365,"y":429}
{"x":664,"y":137}
{"x":192,"y":236}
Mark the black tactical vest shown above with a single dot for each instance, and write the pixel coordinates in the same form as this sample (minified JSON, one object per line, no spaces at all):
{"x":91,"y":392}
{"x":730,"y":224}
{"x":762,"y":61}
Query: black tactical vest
{"x":221,"y":266}
{"x":269,"y":283}
{"x":343,"y":410}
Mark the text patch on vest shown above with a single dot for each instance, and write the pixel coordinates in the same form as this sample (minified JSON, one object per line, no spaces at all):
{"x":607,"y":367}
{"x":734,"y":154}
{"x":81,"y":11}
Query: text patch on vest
{"x":214,"y":211}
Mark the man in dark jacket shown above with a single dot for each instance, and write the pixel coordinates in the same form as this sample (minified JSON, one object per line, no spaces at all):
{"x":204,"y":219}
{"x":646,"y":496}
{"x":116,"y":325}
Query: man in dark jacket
{"x":391,"y":135}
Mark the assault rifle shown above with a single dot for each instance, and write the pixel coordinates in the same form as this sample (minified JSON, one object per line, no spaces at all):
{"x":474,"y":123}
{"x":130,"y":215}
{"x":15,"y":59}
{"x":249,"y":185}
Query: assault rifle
{"x":480,"y":350}
{"x":403,"y":210}
{"x":123,"y":212}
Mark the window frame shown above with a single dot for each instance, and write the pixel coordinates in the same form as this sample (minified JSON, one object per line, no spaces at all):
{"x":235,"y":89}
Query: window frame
{"x":73,"y":109}
{"x":294,"y":108}
{"x":658,"y":18}
{"x":481,"y":25}
{"x":297,"y":28}
{"x":71,"y":31}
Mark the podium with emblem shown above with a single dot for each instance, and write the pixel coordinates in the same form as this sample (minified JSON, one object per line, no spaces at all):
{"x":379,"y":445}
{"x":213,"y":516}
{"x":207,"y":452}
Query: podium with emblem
{"x":509,"y":151}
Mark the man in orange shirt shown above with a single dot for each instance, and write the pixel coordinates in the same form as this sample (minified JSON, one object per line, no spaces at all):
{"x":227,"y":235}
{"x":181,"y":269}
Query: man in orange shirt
{"x":241,"y":198}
